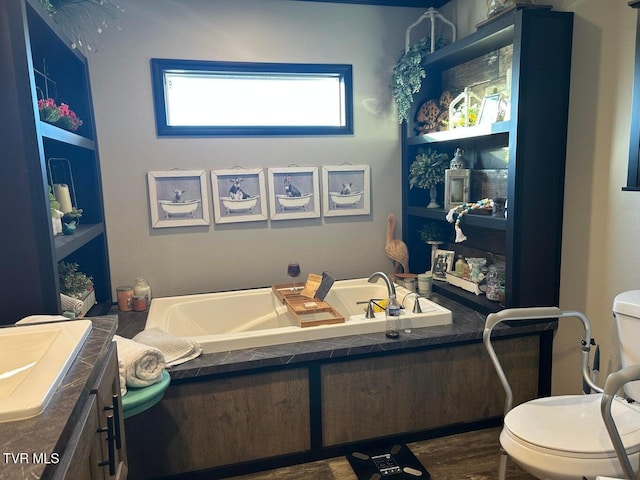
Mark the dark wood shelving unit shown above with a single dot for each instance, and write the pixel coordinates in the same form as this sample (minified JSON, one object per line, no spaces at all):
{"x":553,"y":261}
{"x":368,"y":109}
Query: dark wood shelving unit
{"x":529,"y":239}
{"x":34,"y":51}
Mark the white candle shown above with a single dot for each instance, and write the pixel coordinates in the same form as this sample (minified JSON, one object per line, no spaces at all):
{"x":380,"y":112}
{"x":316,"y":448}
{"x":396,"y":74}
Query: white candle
{"x":61,"y":192}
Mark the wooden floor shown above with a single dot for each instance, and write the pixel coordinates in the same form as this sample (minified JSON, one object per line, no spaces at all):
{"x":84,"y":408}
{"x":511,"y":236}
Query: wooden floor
{"x":467,"y":456}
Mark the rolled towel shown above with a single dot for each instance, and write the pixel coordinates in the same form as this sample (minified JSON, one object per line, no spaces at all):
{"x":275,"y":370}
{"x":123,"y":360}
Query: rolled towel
{"x":143,"y":365}
{"x":123,"y":377}
{"x":70,"y":304}
{"x":176,"y":350}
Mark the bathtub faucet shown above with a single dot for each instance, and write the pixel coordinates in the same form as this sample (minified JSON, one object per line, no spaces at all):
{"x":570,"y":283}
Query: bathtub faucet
{"x":390,"y":286}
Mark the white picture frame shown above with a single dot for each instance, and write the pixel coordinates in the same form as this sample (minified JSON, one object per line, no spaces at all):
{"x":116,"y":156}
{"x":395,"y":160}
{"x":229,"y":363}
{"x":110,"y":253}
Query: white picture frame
{"x":346,"y":190}
{"x":442,"y":263}
{"x":239,"y":195}
{"x":178,"y":198}
{"x":293,"y":193}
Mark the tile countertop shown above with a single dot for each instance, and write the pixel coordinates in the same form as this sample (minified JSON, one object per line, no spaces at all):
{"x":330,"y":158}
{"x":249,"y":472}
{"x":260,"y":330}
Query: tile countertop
{"x":467,"y":326}
{"x":27,"y":445}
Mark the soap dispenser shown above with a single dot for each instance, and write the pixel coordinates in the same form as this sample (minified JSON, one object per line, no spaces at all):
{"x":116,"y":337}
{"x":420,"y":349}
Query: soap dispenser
{"x":392,"y":316}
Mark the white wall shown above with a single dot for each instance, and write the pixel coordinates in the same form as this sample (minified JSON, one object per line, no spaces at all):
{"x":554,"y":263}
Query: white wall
{"x":220,"y":257}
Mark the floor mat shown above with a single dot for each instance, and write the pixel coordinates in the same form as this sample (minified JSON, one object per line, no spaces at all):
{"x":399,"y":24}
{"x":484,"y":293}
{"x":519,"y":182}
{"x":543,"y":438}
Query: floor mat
{"x":396,"y":462}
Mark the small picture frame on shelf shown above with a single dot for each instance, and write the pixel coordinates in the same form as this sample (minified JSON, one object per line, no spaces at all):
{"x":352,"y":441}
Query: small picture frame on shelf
{"x":178,"y":198}
{"x":345,"y":190}
{"x":457,"y":187}
{"x":494,"y":108}
{"x":239,"y":195}
{"x":442,"y":263}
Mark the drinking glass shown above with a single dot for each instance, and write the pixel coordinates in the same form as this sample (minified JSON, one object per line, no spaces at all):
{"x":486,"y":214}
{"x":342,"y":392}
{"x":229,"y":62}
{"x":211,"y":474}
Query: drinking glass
{"x":293,"y":270}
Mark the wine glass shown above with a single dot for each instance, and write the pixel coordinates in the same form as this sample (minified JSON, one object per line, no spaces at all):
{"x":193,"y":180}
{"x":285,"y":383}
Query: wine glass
{"x":293,"y":270}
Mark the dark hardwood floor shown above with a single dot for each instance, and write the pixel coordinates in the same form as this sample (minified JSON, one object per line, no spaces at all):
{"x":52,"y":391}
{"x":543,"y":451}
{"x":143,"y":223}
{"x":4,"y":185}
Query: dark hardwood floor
{"x":467,"y":456}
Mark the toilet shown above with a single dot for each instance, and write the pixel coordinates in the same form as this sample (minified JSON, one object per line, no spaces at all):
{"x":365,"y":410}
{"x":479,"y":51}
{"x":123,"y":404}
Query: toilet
{"x":564,"y":437}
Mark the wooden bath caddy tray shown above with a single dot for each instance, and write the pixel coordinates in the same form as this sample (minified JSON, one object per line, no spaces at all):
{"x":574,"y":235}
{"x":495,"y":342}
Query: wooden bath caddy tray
{"x":307,"y":316}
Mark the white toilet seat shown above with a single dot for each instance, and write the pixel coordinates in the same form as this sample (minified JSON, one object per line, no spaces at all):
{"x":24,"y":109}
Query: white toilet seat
{"x":579,"y":444}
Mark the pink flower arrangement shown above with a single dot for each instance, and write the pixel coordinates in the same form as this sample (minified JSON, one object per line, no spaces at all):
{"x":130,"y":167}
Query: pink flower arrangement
{"x":60,"y":116}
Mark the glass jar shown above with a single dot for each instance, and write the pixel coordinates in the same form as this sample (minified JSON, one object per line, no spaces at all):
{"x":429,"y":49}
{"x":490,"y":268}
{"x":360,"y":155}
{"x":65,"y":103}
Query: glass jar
{"x":493,"y":284}
{"x":142,"y":289}
{"x":125,"y":298}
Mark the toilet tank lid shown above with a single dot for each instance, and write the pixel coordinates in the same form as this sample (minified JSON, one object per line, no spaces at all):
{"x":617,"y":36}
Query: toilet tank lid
{"x":627,"y":303}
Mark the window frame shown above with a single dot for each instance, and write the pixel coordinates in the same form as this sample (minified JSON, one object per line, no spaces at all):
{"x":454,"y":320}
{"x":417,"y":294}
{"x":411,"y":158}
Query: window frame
{"x":163,"y":129}
{"x":633,"y":170}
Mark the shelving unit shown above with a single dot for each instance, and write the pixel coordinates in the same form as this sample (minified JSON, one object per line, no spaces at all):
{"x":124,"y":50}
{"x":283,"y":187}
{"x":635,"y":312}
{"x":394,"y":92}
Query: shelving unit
{"x":535,"y":46}
{"x":31,"y":49}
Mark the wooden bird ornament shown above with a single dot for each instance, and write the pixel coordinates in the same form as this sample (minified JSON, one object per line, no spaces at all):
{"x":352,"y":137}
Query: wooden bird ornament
{"x":396,"y":249}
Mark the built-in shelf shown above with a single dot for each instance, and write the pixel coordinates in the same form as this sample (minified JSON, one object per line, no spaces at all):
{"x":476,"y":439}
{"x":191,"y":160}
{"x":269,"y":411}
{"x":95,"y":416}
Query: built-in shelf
{"x":477,"y":302}
{"x":65,"y":136}
{"x":67,"y":244}
{"x":476,"y":219}
{"x":460,"y":133}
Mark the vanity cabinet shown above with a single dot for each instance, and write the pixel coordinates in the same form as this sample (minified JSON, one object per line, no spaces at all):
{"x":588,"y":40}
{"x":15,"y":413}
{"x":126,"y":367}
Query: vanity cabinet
{"x":525,"y":58}
{"x":37,"y":63}
{"x":98,"y":449}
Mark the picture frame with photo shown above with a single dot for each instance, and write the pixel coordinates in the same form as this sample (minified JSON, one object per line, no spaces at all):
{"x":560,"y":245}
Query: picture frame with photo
{"x":346,"y":190}
{"x":239,"y":195}
{"x":442,"y":263}
{"x":494,"y":108}
{"x":178,"y":198}
{"x":293,"y":193}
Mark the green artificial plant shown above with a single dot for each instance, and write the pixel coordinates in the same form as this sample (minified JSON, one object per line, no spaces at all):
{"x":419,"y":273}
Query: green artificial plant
{"x":433,"y":231}
{"x":408,"y":72}
{"x":53,"y":204}
{"x":72,"y":282}
{"x":427,"y":170}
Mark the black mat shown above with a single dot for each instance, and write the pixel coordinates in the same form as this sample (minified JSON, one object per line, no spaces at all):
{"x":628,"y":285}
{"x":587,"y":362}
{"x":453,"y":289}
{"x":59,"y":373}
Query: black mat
{"x":395,"y":462}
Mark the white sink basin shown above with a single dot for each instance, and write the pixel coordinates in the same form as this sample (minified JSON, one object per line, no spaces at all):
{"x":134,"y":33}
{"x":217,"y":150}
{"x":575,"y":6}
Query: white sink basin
{"x":33,"y":360}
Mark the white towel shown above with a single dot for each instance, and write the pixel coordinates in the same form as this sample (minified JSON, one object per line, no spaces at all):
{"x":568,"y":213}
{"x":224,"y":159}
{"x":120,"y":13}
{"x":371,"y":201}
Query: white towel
{"x":176,"y":350}
{"x":41,"y":319}
{"x":141,"y":365}
{"x":123,"y":379}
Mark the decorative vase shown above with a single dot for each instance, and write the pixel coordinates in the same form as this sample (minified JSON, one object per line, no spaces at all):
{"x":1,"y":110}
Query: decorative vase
{"x":433,"y":194}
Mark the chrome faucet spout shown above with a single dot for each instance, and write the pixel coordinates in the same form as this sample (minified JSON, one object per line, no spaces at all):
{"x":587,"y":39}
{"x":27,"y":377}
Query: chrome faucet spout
{"x":390,"y":286}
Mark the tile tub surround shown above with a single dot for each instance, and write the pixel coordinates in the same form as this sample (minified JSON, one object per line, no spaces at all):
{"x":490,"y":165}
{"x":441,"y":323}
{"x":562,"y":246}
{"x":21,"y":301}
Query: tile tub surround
{"x":467,"y":327}
{"x":49,"y":432}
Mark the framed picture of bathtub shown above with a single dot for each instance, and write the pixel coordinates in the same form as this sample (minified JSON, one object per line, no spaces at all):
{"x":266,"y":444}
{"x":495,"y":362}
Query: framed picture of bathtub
{"x":346,"y":190}
{"x":239,"y":195}
{"x":178,"y":198}
{"x":294,"y":192}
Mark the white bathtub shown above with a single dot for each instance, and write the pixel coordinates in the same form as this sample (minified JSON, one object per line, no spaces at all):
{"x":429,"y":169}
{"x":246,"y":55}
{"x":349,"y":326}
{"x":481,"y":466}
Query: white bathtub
{"x":179,"y":208}
{"x":294,"y":202}
{"x":254,"y":318}
{"x":237,"y":205}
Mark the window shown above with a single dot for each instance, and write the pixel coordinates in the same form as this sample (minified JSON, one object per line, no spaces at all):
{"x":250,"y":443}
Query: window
{"x":200,"y":98}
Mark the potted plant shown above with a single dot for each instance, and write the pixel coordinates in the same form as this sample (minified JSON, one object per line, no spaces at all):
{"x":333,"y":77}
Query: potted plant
{"x":70,"y":220}
{"x":406,"y":79}
{"x":72,"y":282}
{"x":56,"y":214}
{"x":427,"y":171}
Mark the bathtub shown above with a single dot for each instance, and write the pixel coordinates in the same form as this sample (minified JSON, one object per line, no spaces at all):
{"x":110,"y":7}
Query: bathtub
{"x":294,"y":202}
{"x":345,"y":199}
{"x":179,"y":208}
{"x":235,"y":205}
{"x":255,"y":318}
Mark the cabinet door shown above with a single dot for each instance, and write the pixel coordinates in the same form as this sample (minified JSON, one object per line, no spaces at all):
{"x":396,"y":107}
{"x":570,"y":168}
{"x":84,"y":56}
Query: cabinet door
{"x":86,"y":447}
{"x":110,"y":418}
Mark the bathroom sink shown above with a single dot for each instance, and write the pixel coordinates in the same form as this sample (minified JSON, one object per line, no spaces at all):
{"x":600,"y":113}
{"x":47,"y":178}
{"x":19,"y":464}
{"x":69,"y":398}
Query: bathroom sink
{"x":33,"y":360}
